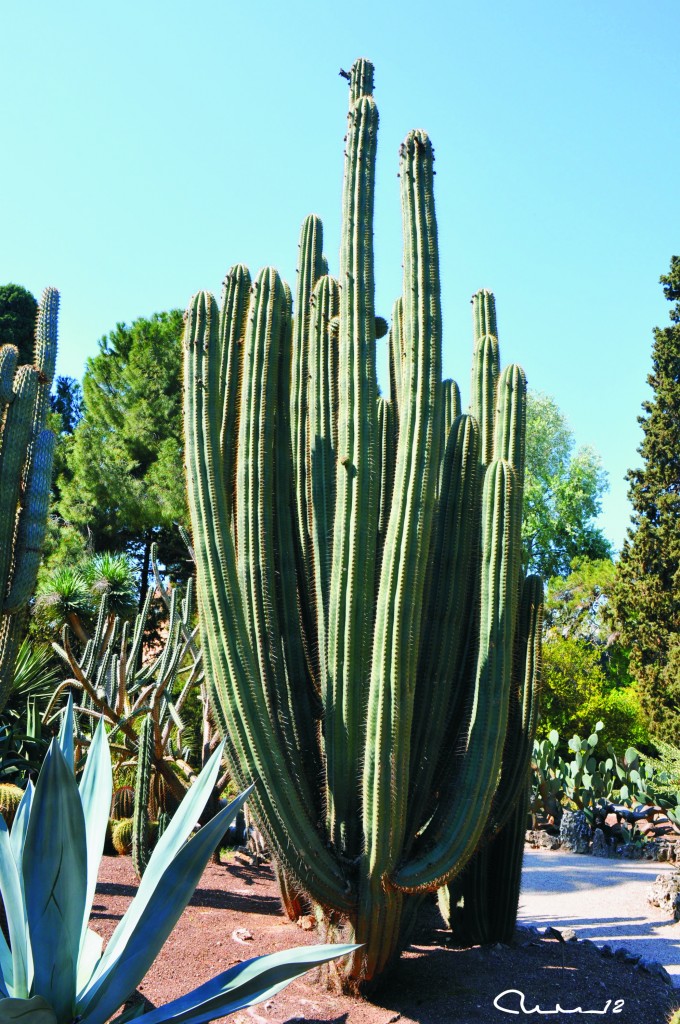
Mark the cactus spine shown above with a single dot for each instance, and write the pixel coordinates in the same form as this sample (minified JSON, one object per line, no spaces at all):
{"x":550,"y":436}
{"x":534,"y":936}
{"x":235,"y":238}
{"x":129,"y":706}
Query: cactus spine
{"x":359,"y":633}
{"x":26,"y":453}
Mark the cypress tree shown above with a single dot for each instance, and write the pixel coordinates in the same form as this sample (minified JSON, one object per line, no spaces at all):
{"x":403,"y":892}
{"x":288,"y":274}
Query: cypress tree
{"x":647,"y":595}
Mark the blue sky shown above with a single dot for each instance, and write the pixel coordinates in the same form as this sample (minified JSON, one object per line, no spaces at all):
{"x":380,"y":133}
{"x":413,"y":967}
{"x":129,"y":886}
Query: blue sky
{"x":148,"y":146}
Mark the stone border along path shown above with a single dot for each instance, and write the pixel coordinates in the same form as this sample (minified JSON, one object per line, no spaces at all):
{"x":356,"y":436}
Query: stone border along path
{"x":604,"y":901}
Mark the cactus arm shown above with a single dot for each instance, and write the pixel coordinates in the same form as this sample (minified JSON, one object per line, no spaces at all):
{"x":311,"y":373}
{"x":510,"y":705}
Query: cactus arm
{"x":450,"y":403}
{"x":453,"y":559}
{"x":309,"y":270}
{"x":265,"y":549}
{"x":524,"y":704}
{"x":387,"y":451}
{"x":354,"y":541}
{"x":360,"y":80}
{"x":452,"y":408}
{"x":255,"y":474}
{"x":385,"y":783}
{"x":140,"y":819}
{"x":233,"y":313}
{"x":450,"y":837}
{"x":45,"y":353}
{"x":9,"y":357}
{"x":485,"y":371}
{"x":322,"y":451}
{"x":16,"y":435}
{"x":32,"y":523}
{"x":484,"y":314}
{"x":510,"y":428}
{"x":291,"y":619}
{"x":396,"y":355}
{"x":253,"y":746}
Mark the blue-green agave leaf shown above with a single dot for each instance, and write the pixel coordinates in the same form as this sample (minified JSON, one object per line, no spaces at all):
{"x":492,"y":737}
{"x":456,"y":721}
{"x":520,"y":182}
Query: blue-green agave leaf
{"x":244,"y":985}
{"x":66,"y":733}
{"x":96,"y":790}
{"x":91,"y":946}
{"x":27,"y":1011}
{"x":183,"y":821}
{"x":151,"y":922}
{"x":6,"y":969}
{"x":13,"y":900}
{"x":55,"y":880}
{"x":20,"y":824}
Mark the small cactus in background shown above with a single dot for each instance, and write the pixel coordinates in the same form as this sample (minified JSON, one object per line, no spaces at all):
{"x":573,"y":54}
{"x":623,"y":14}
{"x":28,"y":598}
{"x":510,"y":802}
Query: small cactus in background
{"x":26,"y":452}
{"x":121,"y":836}
{"x":363,"y":611}
{"x":123,"y":802}
{"x":10,"y":798}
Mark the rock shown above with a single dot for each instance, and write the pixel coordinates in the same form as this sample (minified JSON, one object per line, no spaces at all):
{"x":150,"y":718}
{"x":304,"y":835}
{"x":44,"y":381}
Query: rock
{"x":575,"y":832}
{"x":606,"y":950}
{"x":569,"y":935}
{"x":599,"y":848}
{"x":665,"y":893}
{"x":625,"y":956}
{"x":543,"y":840}
{"x":657,"y":969}
{"x":242,"y":935}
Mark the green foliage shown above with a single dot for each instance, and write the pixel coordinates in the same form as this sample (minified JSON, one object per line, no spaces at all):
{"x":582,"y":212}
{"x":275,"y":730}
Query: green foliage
{"x":576,"y":689}
{"x":562,"y":494}
{"x":18,"y":311}
{"x":666,"y":765}
{"x":66,"y":401}
{"x":645,"y":599}
{"x":53,"y":968}
{"x":359,"y":566}
{"x":118,"y":474}
{"x":585,"y":668}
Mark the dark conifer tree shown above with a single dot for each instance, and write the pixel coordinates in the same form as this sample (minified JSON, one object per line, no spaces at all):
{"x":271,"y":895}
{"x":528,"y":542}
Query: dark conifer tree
{"x":18,"y":310}
{"x":647,"y":595}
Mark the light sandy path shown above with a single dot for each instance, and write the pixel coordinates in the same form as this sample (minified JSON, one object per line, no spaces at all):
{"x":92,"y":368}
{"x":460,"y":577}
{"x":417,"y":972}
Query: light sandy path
{"x":602,"y":900}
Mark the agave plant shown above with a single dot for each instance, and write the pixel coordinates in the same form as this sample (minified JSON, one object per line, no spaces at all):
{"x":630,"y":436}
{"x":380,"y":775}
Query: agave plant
{"x":53,"y":971}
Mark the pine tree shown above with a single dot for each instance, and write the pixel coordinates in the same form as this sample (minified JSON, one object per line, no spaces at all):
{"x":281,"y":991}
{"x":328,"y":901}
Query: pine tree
{"x":647,"y":595}
{"x":121,"y":473}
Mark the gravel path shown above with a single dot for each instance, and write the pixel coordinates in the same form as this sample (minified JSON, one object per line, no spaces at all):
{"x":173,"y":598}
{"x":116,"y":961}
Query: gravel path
{"x":602,"y":900}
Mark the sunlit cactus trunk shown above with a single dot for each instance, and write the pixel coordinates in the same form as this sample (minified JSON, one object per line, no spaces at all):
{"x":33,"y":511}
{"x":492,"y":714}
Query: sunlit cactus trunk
{"x":26,"y":453}
{"x":359,"y":572}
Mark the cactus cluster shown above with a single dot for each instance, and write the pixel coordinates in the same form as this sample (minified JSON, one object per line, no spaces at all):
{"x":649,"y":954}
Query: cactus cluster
{"x":588,"y":782}
{"x":26,"y":453}
{"x":115,"y":684}
{"x":370,"y":644}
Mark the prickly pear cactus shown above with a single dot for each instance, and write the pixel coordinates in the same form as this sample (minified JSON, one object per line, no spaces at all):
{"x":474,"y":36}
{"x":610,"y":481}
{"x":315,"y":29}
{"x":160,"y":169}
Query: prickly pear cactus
{"x":358,"y":563}
{"x":26,"y":453}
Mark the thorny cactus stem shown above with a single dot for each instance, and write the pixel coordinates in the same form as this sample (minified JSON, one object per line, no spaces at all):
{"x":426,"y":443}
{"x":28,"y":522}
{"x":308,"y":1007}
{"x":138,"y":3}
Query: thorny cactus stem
{"x":26,"y":454}
{"x":359,"y":608}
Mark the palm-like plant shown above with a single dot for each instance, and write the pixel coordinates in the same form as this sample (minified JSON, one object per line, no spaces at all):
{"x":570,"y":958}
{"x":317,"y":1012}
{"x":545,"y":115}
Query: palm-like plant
{"x":112,"y":576}
{"x":63,"y":598}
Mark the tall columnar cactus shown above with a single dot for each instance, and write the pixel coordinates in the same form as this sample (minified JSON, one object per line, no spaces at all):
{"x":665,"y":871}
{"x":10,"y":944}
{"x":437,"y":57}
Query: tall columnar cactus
{"x":360,"y":594}
{"x":140,"y":818}
{"x":26,"y":452}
